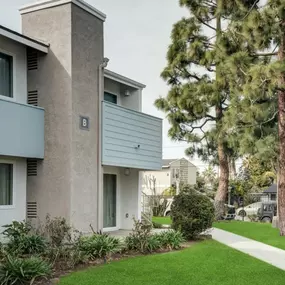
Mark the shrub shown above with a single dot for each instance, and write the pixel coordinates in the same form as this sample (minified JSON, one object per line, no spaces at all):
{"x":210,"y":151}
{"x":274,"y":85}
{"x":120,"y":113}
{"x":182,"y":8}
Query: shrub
{"x":171,"y":239}
{"x":66,"y":256}
{"x":16,"y":229}
{"x":56,"y":230}
{"x":98,"y":246}
{"x":153,"y":243}
{"x":192,"y":213}
{"x":27,"y":244}
{"x":15,"y":270}
{"x":138,"y":239}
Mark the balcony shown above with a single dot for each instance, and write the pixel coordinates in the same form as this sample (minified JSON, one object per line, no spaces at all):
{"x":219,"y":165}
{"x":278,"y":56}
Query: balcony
{"x":130,"y":139}
{"x":22,"y":130}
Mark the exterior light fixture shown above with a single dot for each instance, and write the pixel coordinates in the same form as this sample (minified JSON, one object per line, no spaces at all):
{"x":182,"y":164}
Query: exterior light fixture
{"x":127,"y":171}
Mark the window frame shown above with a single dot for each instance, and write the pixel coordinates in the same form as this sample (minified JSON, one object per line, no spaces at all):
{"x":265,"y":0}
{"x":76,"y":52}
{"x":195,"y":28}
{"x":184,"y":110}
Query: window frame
{"x":13,"y":87}
{"x":110,"y":93}
{"x":13,"y":206}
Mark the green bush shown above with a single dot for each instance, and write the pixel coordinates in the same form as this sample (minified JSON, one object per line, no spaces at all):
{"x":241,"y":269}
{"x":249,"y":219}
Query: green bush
{"x":16,"y":229}
{"x":153,"y":243}
{"x":99,"y":245}
{"x":191,"y":213}
{"x":138,"y":239}
{"x":171,"y":239}
{"x":27,"y":244}
{"x":15,"y":270}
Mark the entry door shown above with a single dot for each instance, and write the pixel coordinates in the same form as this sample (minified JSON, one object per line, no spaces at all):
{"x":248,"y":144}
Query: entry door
{"x":110,"y":201}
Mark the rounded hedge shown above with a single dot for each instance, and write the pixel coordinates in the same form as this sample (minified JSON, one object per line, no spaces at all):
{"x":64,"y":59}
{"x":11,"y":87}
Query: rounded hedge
{"x":192,"y":213}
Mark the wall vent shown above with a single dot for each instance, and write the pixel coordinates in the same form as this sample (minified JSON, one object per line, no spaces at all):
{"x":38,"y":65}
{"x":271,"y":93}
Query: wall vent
{"x":32,"y":210}
{"x":32,"y":167}
{"x":32,"y":59}
{"x":33,"y":97}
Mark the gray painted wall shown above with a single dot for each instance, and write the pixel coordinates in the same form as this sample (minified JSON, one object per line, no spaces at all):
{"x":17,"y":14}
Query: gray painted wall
{"x":22,"y":130}
{"x":67,"y":81}
{"x":123,"y":131}
{"x":87,"y":55}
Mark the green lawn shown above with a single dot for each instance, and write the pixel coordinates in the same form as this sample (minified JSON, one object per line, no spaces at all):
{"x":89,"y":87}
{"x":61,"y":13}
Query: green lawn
{"x":204,"y":263}
{"x":162,"y":220}
{"x":258,"y":231}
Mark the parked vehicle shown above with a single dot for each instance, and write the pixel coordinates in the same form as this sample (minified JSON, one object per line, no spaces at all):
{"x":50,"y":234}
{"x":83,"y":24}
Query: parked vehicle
{"x":267,"y":211}
{"x":169,"y":203}
{"x":249,"y":210}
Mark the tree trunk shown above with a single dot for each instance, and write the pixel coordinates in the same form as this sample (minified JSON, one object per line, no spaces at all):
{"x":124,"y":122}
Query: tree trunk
{"x":221,"y":195}
{"x":220,"y":198}
{"x":281,"y":133}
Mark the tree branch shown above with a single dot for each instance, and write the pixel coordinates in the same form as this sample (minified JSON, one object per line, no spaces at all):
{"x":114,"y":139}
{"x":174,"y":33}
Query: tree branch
{"x":265,"y":54}
{"x":206,"y":24}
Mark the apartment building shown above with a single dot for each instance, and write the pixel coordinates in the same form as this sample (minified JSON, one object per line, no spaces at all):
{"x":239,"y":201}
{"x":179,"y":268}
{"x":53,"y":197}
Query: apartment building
{"x":74,"y":140}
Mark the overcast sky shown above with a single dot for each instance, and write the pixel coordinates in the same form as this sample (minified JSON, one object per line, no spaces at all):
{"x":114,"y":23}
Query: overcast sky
{"x":137,"y":34}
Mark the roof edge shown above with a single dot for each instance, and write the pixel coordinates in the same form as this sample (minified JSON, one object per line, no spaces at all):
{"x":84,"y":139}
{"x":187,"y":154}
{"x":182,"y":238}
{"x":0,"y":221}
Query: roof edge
{"x":44,"y":4}
{"x":20,"y":38}
{"x":122,"y":79}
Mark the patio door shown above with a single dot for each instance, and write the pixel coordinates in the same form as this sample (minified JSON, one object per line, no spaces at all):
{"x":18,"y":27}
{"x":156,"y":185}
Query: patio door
{"x":110,"y":201}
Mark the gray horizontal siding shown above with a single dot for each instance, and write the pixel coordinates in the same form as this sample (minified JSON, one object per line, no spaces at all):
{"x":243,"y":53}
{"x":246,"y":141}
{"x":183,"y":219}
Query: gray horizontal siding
{"x":123,"y":131}
{"x":21,"y":129}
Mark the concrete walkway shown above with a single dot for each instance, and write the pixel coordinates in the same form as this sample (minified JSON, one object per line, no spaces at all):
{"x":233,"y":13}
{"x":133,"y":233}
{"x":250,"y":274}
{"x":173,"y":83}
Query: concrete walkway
{"x":264,"y":252}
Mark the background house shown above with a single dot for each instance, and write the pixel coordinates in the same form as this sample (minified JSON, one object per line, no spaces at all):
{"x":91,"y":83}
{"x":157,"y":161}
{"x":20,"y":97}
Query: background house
{"x":270,"y":194}
{"x":173,"y":172}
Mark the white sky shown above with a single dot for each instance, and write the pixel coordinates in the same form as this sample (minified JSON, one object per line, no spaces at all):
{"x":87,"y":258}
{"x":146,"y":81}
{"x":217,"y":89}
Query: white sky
{"x":137,"y":34}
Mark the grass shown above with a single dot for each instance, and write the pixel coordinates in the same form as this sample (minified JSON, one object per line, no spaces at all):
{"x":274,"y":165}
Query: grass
{"x":162,"y":220}
{"x":257,"y":231}
{"x":207,"y":262}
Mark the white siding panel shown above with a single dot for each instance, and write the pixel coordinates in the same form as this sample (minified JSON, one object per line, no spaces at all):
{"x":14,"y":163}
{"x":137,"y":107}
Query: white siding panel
{"x":131,"y":139}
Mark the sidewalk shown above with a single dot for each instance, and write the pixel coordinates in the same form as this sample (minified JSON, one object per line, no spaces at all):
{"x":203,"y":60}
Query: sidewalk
{"x":264,"y":252}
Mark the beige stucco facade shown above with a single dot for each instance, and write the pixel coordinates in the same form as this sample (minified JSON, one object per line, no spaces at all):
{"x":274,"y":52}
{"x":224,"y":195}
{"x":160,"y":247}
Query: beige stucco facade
{"x":67,"y":84}
{"x":61,"y":71}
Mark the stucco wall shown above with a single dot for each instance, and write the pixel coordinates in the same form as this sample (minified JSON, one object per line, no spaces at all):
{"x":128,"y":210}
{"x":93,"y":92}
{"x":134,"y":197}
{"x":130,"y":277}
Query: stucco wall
{"x":87,"y":55}
{"x":18,"y":52}
{"x":16,"y":212}
{"x":67,"y":81}
{"x":52,"y":186}
{"x":129,"y":197}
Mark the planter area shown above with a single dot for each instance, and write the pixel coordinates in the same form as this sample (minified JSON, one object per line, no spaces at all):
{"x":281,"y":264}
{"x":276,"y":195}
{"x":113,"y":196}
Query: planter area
{"x":41,"y":256}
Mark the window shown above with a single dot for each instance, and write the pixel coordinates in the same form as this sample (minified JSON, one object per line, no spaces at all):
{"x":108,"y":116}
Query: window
{"x":110,"y":97}
{"x":6,"y":184}
{"x":6,"y":75}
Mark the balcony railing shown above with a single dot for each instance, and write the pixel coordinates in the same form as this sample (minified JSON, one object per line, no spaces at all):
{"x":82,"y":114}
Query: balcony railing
{"x":130,"y":138}
{"x":21,"y":129}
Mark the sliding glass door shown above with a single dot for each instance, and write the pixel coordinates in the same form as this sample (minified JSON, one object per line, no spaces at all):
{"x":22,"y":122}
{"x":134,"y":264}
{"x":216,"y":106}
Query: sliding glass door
{"x":110,"y":201}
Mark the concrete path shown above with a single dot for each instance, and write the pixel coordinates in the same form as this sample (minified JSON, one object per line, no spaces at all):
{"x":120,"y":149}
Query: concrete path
{"x":264,"y":252}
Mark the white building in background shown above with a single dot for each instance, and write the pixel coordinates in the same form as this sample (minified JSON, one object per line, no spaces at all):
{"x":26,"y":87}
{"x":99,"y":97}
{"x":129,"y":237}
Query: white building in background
{"x":173,"y":172}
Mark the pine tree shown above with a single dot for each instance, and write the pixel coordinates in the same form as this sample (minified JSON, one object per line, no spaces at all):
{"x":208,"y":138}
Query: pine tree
{"x":260,"y":92}
{"x":199,"y":93}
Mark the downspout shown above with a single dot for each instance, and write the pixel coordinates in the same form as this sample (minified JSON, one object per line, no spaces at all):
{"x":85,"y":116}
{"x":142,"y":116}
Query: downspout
{"x":102,"y":66}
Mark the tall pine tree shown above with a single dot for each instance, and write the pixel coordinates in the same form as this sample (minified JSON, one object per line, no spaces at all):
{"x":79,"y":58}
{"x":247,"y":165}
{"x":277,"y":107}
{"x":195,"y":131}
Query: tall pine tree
{"x":199,"y":93}
{"x":260,"y":86}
